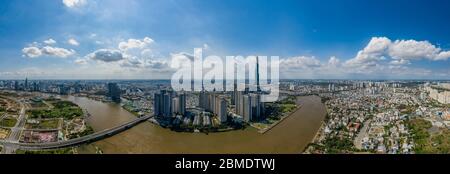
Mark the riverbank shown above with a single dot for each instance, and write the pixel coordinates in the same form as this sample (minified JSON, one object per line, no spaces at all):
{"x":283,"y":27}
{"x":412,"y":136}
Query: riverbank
{"x":291,"y":135}
{"x":264,"y":130}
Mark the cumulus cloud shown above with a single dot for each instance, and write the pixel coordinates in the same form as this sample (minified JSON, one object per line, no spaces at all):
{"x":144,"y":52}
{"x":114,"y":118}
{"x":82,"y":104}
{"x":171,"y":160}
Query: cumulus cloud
{"x":413,"y":50}
{"x":81,"y":61}
{"x":401,"y":51}
{"x":444,"y":55}
{"x":135,"y":43}
{"x":333,"y":61}
{"x":50,"y":41}
{"x":181,"y":60}
{"x":74,"y":3}
{"x":300,"y":62}
{"x":106,"y":55}
{"x":400,"y":62}
{"x":33,"y":52}
{"x":373,"y":52}
{"x":73,"y":42}
{"x":57,"y":52}
{"x":157,"y":64}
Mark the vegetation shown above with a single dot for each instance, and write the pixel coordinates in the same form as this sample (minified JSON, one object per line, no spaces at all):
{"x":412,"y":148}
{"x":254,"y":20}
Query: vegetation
{"x":45,"y":124}
{"x":426,"y":142}
{"x":64,"y":104}
{"x":38,"y":104}
{"x":405,"y":109}
{"x":62,"y":109}
{"x":56,"y":151}
{"x":276,"y":110}
{"x":334,"y":145}
{"x":8,"y":122}
{"x":89,"y":130}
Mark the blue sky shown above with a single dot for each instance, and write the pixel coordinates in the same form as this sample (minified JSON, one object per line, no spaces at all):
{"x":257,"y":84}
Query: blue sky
{"x":118,"y":39}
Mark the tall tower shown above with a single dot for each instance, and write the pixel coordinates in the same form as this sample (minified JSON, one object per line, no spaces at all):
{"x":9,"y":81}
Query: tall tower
{"x":26,"y":84}
{"x":233,"y":97}
{"x":258,"y":88}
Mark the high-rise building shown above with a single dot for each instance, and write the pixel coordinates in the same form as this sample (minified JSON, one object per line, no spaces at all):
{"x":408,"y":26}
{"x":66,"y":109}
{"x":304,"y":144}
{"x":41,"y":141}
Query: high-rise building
{"x":258,"y":88}
{"x":256,"y":106}
{"x":63,"y":90}
{"x":247,"y":108}
{"x":36,"y":86}
{"x":157,"y":104}
{"x":175,"y":105}
{"x":203,"y":99}
{"x":16,"y":85}
{"x":182,"y":104}
{"x":26,"y":84}
{"x":114,"y":92}
{"x":166,"y":104}
{"x":222,"y":113}
{"x":233,"y":96}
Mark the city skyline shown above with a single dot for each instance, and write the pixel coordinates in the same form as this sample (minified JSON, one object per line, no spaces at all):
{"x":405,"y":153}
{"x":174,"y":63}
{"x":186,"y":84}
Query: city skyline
{"x":82,"y":39}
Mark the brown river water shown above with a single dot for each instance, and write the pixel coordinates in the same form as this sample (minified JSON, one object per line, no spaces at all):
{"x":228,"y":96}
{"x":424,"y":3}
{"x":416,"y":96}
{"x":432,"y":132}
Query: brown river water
{"x":292,"y":135}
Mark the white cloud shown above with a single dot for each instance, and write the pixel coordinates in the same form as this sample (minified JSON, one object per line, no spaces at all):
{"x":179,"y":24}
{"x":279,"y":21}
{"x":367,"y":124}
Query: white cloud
{"x":81,"y":61}
{"x":106,"y":55}
{"x":50,"y":41}
{"x":57,"y":52}
{"x":31,"y":52}
{"x":300,"y":62}
{"x":147,"y":52}
{"x":74,"y":3}
{"x":73,"y":42}
{"x":135,"y":43}
{"x":181,"y":59}
{"x":444,"y":55}
{"x":413,"y":50}
{"x":401,"y":51}
{"x":205,"y":46}
{"x":333,"y":61}
{"x":373,"y":52}
{"x":400,"y":62}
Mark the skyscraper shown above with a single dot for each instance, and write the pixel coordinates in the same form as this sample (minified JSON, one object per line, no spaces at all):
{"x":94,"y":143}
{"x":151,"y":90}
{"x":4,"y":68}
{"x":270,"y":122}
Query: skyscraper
{"x":233,"y":96}
{"x":258,"y":88}
{"x":182,"y":104}
{"x":114,"y":92}
{"x":157,"y":104}
{"x":166,"y":104}
{"x":222,"y":110}
{"x":26,"y":84}
{"x":16,"y":85}
{"x":247,"y":108}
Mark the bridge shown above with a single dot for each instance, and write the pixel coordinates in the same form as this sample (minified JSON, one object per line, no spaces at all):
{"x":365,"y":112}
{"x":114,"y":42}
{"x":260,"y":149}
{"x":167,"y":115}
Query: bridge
{"x":77,"y":141}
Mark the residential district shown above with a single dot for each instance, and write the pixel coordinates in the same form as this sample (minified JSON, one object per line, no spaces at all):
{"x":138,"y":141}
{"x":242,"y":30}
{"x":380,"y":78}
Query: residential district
{"x":362,"y":116}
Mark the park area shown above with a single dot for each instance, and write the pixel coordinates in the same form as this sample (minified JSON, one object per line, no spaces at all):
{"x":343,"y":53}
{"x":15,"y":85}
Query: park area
{"x":43,"y":124}
{"x":427,"y":141}
{"x":60,"y":109}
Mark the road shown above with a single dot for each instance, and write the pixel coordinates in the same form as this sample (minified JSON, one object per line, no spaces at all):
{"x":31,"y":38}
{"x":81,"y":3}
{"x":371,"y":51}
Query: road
{"x":14,"y":136}
{"x":73,"y":142}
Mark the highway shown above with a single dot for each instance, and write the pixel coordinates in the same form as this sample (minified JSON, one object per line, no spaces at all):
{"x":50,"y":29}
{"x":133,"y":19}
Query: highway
{"x":73,"y":142}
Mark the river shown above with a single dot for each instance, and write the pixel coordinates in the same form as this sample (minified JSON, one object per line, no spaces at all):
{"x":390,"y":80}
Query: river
{"x":292,"y":135}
